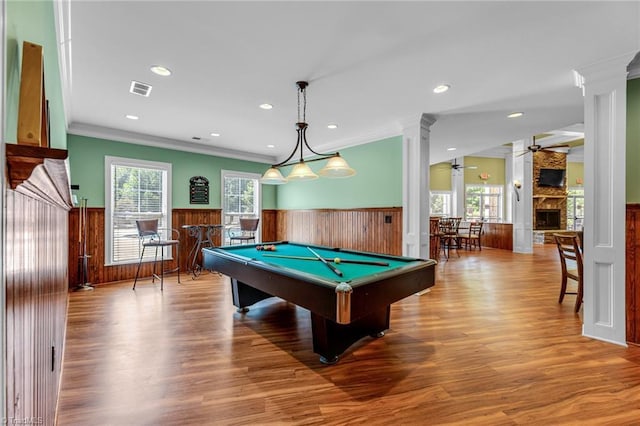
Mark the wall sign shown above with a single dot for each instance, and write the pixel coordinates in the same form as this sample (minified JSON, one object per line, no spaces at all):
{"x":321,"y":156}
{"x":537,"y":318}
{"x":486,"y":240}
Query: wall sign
{"x":199,"y":190}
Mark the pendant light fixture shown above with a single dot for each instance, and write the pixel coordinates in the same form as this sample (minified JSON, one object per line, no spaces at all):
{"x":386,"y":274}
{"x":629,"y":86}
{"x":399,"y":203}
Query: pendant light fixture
{"x":336,"y":166}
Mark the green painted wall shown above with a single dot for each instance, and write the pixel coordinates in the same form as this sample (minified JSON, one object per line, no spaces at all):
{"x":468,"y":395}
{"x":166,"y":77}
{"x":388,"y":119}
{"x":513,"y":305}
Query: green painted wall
{"x":494,"y":167}
{"x":86,"y":164}
{"x":378,"y":182}
{"x":440,"y":177}
{"x":33,"y":21}
{"x":575,"y":172}
{"x":633,"y":140}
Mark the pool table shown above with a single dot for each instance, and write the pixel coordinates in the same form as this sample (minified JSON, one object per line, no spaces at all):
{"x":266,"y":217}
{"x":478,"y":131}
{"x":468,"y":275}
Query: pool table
{"x":344,"y":308}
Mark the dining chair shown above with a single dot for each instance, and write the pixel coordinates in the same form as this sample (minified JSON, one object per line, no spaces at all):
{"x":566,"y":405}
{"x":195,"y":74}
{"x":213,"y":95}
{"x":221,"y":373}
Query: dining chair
{"x":150,"y":236}
{"x":473,"y":236}
{"x":449,"y":235}
{"x":248,"y":227}
{"x":571,"y":263}
{"x":434,"y":237}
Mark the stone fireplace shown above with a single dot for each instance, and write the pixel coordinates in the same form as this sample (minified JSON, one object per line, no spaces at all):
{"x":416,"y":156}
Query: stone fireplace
{"x":549,"y":203}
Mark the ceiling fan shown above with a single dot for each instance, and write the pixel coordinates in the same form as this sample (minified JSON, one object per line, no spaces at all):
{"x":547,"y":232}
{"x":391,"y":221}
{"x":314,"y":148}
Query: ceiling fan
{"x":534,"y":147}
{"x":456,"y":166}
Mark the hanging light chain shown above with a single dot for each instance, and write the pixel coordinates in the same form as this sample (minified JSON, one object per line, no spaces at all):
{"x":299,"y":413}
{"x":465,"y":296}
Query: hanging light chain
{"x":304,"y":104}
{"x":302,"y":89}
{"x":299,"y":104}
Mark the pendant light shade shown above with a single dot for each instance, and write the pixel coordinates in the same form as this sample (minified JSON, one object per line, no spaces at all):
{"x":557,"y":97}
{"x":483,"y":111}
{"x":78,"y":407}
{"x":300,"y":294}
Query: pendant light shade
{"x":273,"y":177}
{"x":302,"y":171}
{"x":336,"y":166}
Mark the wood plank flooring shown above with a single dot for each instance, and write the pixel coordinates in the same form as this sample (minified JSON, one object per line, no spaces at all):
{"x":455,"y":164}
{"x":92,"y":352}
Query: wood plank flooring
{"x":489,"y":345}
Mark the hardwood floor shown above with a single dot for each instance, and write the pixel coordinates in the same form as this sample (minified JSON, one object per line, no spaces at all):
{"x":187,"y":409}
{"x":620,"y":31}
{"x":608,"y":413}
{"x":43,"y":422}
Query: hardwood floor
{"x":488,"y":345}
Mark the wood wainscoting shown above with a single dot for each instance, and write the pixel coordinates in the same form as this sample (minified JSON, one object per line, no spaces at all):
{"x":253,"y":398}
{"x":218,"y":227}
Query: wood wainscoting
{"x":632,"y":280}
{"x":269,"y":225}
{"x":100,"y":273}
{"x":36,"y":304}
{"x":38,"y":198}
{"x":367,"y":229}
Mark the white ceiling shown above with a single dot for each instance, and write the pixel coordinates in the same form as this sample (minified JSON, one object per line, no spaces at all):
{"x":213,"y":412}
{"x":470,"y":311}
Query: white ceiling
{"x":371,"y":67}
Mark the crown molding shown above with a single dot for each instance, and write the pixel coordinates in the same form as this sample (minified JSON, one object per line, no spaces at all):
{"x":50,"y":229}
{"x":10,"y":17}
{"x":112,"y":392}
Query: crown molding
{"x":634,"y":68}
{"x":423,"y":119}
{"x":606,"y":69}
{"x":82,"y":129}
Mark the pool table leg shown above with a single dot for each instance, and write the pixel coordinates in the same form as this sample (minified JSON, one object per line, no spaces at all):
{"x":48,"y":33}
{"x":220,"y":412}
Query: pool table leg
{"x":331,"y":339}
{"x":244,"y":295}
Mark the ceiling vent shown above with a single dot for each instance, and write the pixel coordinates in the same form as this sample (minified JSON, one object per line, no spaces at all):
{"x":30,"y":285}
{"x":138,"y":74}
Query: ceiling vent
{"x":138,"y":88}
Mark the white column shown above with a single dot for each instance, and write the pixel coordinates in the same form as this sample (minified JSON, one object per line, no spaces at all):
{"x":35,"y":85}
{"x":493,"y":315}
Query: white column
{"x":3,"y":233}
{"x":415,"y":187}
{"x":522,"y":204}
{"x":510,"y":194}
{"x":457,"y":189}
{"x":605,"y":107}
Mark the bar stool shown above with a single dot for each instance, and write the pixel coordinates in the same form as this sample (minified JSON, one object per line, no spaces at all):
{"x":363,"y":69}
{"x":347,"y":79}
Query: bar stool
{"x":149,"y":237}
{"x":248,"y":227}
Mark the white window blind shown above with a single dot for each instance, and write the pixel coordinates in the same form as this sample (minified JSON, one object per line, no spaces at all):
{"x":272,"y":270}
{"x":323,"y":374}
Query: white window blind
{"x":135,"y":189}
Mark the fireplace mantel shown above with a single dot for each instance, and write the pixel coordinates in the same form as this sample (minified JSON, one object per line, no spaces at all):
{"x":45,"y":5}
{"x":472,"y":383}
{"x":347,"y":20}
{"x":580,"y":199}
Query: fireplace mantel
{"x":40,"y":173}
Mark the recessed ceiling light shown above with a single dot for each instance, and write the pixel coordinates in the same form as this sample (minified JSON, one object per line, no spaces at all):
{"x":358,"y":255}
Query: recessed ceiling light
{"x":332,"y":126}
{"x":451,"y":149}
{"x":132,"y":117}
{"x":271,"y":146}
{"x":215,"y":135}
{"x":266,"y":106}
{"x":515,"y":114}
{"x":160,"y":70}
{"x":441,"y":88}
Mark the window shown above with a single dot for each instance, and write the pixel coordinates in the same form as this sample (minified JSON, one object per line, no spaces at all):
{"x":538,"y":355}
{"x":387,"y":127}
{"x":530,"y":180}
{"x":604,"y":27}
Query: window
{"x":440,"y":203}
{"x":240,"y":198}
{"x":575,"y":209}
{"x":134,"y":189}
{"x":483,"y":202}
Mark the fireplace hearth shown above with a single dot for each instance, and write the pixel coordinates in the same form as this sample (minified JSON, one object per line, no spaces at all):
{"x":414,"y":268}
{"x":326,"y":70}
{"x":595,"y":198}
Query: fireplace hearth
{"x":547,"y":219}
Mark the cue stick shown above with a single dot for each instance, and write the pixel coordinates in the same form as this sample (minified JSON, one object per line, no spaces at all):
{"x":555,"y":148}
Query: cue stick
{"x":328,"y":259}
{"x":330,"y":266}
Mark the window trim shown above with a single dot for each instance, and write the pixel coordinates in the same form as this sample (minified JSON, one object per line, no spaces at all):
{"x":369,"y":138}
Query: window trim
{"x":500,"y":199}
{"x":574,"y":196}
{"x":109,"y":161}
{"x":438,"y":192}
{"x":257,"y":191}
